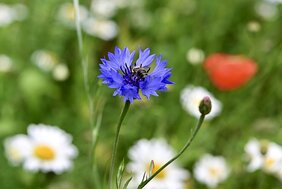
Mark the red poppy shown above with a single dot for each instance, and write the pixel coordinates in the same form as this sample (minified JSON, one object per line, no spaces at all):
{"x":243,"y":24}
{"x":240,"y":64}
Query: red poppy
{"x":229,"y":72}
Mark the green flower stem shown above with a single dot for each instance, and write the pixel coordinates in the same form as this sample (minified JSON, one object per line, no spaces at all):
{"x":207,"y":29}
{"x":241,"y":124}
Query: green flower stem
{"x":124,"y":111}
{"x":199,"y":124}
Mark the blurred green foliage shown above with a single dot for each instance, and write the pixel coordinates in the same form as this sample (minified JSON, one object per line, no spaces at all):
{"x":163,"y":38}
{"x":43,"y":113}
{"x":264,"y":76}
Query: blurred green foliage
{"x":30,"y":95}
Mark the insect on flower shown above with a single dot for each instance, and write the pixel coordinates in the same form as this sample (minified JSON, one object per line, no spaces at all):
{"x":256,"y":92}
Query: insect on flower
{"x":129,"y":78}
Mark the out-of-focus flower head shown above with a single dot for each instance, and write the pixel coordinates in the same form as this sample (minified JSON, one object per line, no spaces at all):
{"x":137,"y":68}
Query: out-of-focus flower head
{"x":191,"y":97}
{"x":101,"y":28}
{"x":51,"y":149}
{"x":45,"y":60}
{"x":254,"y":26}
{"x":60,"y":72}
{"x":104,"y":8}
{"x":158,"y":151}
{"x":6,"y":15}
{"x":129,"y":78}
{"x":67,"y":14}
{"x":11,"y":13}
{"x":211,"y":170}
{"x":17,"y":148}
{"x":195,"y":56}
{"x":254,"y":153}
{"x":264,"y":155}
{"x":229,"y":72}
{"x":5,"y":63}
{"x":267,"y":9}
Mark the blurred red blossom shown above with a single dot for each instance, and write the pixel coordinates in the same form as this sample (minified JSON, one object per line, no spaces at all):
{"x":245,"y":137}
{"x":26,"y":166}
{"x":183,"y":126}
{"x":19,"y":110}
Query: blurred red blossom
{"x":228,"y":72}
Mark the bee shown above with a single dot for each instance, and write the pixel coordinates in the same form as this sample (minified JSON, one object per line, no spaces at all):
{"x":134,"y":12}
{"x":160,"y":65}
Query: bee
{"x":140,"y":72}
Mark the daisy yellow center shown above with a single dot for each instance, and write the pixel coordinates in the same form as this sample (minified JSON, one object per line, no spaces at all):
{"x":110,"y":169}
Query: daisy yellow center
{"x":70,"y":13}
{"x":214,"y":171}
{"x":156,"y":167}
{"x":269,"y":162}
{"x":44,"y":152}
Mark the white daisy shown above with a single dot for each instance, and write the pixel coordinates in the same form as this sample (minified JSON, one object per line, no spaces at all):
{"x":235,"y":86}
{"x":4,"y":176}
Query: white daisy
{"x":17,"y":148}
{"x":5,"y":63}
{"x":195,"y":56}
{"x":254,"y":26}
{"x":45,"y":60}
{"x":253,"y":151}
{"x":61,"y":72}
{"x":264,"y":155}
{"x":6,"y":15}
{"x":191,"y":97}
{"x":51,"y":149}
{"x":266,"y":10}
{"x":158,"y":151}
{"x":211,"y":170}
{"x":273,"y":158}
{"x":104,"y":8}
{"x":104,"y":29}
{"x":67,"y":14}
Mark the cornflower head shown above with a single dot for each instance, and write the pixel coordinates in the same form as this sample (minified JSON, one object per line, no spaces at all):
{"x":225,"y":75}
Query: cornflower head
{"x":129,"y":77}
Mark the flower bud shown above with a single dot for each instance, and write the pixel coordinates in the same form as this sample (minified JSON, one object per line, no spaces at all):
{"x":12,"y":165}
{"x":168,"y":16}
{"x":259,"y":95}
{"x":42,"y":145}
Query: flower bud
{"x":205,"y":106}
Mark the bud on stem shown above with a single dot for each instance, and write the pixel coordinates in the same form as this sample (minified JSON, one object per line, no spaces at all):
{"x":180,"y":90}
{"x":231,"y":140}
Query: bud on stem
{"x":205,"y":106}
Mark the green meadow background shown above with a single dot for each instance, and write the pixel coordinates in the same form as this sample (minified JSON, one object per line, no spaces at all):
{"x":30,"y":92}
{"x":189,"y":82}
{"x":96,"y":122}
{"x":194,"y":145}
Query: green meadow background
{"x":30,"y":95}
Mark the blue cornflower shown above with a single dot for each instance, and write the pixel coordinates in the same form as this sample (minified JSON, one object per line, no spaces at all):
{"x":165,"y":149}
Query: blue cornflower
{"x":129,"y":78}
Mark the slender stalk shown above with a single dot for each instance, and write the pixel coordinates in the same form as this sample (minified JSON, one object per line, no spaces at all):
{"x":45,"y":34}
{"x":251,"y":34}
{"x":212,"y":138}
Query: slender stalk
{"x":122,"y":116}
{"x":84,"y":64}
{"x":199,"y":124}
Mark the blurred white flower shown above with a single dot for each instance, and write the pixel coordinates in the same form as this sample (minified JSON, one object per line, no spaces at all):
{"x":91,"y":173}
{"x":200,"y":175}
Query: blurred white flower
{"x":61,"y":72}
{"x":264,"y":155}
{"x":253,"y":26}
{"x":273,"y":158}
{"x":195,"y":56}
{"x":44,"y":59}
{"x":253,"y":151}
{"x":17,"y":148}
{"x":5,"y":63}
{"x":67,"y":14}
{"x":191,"y":97}
{"x":104,"y":29}
{"x":158,"y":151}
{"x":268,"y":11}
{"x":51,"y":149}
{"x":274,"y":1}
{"x":211,"y":170}
{"x":6,"y":15}
{"x":104,"y":8}
{"x":9,"y":14}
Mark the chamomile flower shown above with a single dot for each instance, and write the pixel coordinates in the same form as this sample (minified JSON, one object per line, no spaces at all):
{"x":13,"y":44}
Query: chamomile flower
{"x":264,"y":155}
{"x":157,"y":150}
{"x":101,"y":28}
{"x":66,"y":14}
{"x":273,"y":158}
{"x":51,"y":149}
{"x":195,"y":56}
{"x":60,"y":72}
{"x":211,"y":170}
{"x":17,"y":148}
{"x":5,"y":63}
{"x":128,"y":78}
{"x":254,"y":154}
{"x":191,"y":97}
{"x":45,"y":60}
{"x":6,"y":15}
{"x":104,"y":8}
